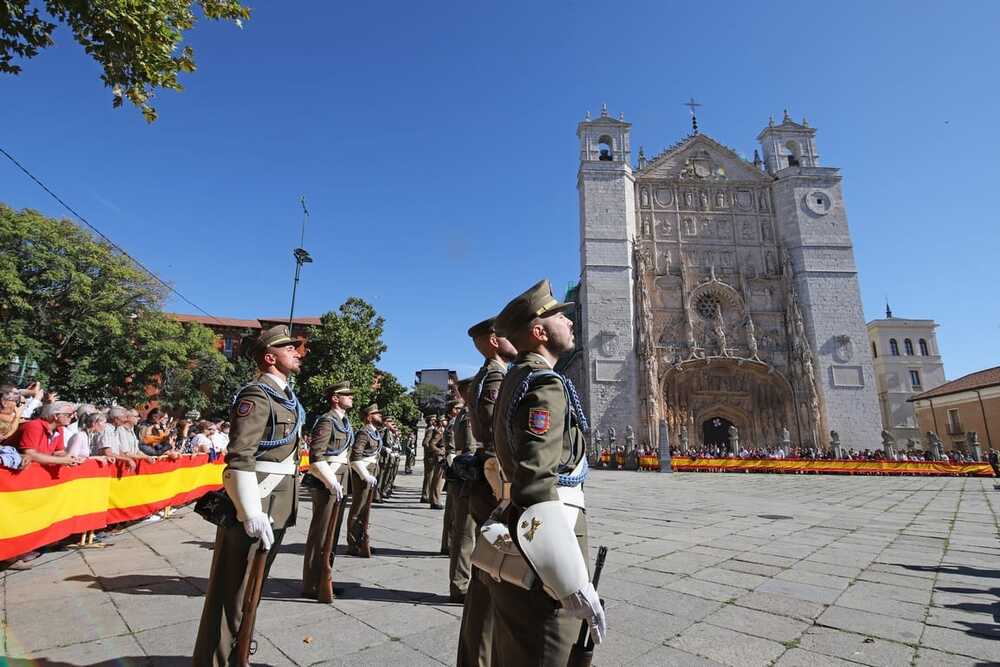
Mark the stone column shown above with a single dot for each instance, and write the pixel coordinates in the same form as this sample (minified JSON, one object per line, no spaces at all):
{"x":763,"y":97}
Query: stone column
{"x":665,"y":463}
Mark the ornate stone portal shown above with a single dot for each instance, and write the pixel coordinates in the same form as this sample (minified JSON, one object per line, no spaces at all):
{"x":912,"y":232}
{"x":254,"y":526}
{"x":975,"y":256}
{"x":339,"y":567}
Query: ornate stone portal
{"x":692,"y":270}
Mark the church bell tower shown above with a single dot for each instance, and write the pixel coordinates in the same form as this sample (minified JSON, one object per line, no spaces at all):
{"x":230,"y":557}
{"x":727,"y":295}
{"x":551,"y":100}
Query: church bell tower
{"x":606,"y":317}
{"x":812,"y":227}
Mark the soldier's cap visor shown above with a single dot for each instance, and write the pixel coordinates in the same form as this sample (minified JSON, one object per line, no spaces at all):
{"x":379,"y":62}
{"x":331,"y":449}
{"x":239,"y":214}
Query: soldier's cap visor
{"x":482,"y":328}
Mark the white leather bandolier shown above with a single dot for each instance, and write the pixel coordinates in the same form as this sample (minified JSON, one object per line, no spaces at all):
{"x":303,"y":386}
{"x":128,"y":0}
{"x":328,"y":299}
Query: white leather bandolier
{"x":547,"y":537}
{"x":326,"y":469}
{"x":244,"y":490}
{"x":361,"y":465}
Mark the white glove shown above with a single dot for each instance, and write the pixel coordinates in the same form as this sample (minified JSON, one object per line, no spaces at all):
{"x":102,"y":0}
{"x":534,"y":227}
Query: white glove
{"x":371,"y":481}
{"x":259,"y":526}
{"x":337,"y":490}
{"x":586,"y":605}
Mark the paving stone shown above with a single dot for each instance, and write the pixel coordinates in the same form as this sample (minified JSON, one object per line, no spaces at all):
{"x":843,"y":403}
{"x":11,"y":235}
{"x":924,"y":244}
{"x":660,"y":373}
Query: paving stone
{"x":665,"y":655}
{"x":954,"y":641}
{"x":927,"y":657}
{"x":856,"y":647}
{"x":758,"y":623}
{"x":705,"y":589}
{"x":389,"y":653}
{"x":721,"y":575}
{"x":802,"y":576}
{"x":875,"y":625}
{"x":781,"y":605}
{"x":794,"y":589}
{"x":797,"y":657}
{"x":726,"y":646}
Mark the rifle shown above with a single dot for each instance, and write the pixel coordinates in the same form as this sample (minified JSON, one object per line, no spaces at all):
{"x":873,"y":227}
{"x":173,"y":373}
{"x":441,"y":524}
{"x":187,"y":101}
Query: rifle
{"x":325,"y":593}
{"x":364,"y":547}
{"x":251,"y":598}
{"x":583,"y":650}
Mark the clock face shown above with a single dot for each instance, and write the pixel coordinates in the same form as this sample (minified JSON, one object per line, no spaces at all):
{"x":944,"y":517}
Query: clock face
{"x":818,"y":202}
{"x":701,"y":170}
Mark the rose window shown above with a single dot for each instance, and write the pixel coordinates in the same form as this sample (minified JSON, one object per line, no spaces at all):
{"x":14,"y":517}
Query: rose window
{"x":706,"y":305}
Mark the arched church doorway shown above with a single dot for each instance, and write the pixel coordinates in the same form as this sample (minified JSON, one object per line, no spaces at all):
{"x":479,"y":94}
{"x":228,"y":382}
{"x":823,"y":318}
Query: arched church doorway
{"x":715,"y":432}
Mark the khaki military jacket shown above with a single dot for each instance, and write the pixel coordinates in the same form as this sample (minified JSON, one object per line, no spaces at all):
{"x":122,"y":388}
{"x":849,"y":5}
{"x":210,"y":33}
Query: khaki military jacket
{"x":366,"y":444}
{"x":251,"y":419}
{"x":330,"y":437}
{"x":487,"y":381}
{"x":435,"y":447}
{"x":534,"y":444}
{"x":465,"y":442}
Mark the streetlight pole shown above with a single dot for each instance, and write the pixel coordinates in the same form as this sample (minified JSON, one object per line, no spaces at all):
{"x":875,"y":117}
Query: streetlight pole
{"x":301,"y":257}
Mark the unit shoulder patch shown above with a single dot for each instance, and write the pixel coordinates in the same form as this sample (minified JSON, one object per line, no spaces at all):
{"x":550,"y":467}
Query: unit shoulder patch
{"x":539,"y":421}
{"x":244,"y":408}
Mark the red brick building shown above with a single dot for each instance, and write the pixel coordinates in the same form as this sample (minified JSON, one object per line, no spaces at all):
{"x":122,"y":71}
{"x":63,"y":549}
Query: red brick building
{"x":228,"y":331}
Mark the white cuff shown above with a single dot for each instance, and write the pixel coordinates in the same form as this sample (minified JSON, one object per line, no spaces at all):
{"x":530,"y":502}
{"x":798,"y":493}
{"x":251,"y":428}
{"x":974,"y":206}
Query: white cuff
{"x":241,"y":486}
{"x":323,"y":472}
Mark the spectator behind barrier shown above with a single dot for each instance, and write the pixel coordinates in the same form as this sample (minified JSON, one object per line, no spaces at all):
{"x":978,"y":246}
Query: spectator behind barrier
{"x":41,"y":439}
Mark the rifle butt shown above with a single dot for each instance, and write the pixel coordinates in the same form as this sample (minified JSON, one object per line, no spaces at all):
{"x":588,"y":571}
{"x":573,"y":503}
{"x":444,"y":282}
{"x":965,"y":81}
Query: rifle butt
{"x":251,"y":598}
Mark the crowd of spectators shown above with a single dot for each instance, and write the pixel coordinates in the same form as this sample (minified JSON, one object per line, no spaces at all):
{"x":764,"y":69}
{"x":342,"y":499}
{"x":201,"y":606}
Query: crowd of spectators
{"x":37,"y":428}
{"x":797,"y":453}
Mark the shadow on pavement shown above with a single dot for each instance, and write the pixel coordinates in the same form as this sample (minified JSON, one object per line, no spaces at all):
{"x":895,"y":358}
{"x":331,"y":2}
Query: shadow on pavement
{"x":135,"y":661}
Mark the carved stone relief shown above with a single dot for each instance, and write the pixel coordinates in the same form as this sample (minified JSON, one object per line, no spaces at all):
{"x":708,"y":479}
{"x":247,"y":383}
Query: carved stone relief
{"x":664,"y":196}
{"x":744,"y":200}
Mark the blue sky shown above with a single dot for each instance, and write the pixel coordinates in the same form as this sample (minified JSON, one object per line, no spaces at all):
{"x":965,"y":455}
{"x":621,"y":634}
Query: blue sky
{"x":435,"y":144}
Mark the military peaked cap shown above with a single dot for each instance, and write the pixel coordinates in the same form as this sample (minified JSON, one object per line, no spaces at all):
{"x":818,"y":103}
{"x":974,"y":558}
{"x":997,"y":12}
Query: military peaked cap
{"x":371,"y":409}
{"x":484,"y":327}
{"x":455,"y":403}
{"x":340,"y":389}
{"x":276,"y":336}
{"x":536,"y":301}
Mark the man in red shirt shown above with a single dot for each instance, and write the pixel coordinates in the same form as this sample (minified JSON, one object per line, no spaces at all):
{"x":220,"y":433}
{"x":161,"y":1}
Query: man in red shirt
{"x":41,"y":439}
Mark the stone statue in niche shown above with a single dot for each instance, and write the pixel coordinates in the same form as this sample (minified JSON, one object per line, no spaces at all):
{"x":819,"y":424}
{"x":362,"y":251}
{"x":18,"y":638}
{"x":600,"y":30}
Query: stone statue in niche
{"x":646,"y":223}
{"x":752,"y":339}
{"x":747,"y":231}
{"x":644,"y":198}
{"x":706,"y":228}
{"x":720,"y":200}
{"x":688,"y":199}
{"x":703,"y":200}
{"x":763,"y":201}
{"x":611,"y":437}
{"x":629,"y":438}
{"x":665,"y":265}
{"x":769,"y":266}
{"x":765,"y":232}
{"x":786,"y":437}
{"x":684,"y":438}
{"x":720,"y":330}
{"x":689,"y":228}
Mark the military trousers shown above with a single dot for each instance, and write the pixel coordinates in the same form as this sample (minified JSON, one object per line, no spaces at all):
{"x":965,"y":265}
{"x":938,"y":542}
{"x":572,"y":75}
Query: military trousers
{"x":220,"y":617}
{"x":436,"y":483}
{"x":428,"y":472}
{"x":357,"y":519}
{"x":475,"y":639}
{"x":529,"y":627}
{"x":462,"y":540}
{"x":323,"y":506}
{"x":446,"y":521}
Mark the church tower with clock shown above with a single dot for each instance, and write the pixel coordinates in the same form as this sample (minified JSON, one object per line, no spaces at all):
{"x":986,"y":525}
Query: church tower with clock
{"x":720,"y":296}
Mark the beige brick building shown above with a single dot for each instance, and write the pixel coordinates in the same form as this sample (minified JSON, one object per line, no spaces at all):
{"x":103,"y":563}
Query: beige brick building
{"x":969,"y":404}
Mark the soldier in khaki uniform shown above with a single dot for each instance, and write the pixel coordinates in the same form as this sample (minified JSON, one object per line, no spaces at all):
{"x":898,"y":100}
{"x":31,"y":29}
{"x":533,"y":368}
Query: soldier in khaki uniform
{"x":463,"y":528}
{"x":475,"y":645}
{"x":429,"y":436}
{"x":261,"y":479}
{"x":454,"y":407}
{"x":538,"y":429}
{"x":364,"y":478}
{"x":438,"y":456}
{"x":329,"y":468}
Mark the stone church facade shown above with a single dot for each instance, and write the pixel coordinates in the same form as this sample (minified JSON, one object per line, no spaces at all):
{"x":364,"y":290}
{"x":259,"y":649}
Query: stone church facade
{"x":717,"y":292}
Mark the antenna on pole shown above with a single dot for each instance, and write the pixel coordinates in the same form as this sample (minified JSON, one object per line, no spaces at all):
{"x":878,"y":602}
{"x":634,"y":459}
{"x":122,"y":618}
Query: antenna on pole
{"x":301,"y":257}
{"x":305,"y":218}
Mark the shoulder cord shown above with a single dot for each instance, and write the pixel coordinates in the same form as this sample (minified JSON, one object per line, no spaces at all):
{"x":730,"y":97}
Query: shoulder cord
{"x":572,"y":400}
{"x":349,"y":431}
{"x":289,"y":403}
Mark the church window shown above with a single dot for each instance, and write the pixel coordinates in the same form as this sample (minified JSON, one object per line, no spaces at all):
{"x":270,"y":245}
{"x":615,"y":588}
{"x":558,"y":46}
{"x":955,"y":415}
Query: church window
{"x":908,"y":346}
{"x":915,"y":379}
{"x":893,"y":347}
{"x":605,"y":145}
{"x":954,"y":422}
{"x":874,"y":350}
{"x":923,"y":348}
{"x":706,"y":305}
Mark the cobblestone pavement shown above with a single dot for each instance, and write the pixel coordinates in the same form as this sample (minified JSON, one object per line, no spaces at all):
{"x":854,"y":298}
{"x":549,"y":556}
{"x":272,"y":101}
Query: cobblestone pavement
{"x":704,"y":569}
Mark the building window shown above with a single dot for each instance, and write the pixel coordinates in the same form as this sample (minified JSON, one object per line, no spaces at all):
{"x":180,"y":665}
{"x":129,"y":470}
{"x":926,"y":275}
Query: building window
{"x":227,"y":346}
{"x":923,"y":348}
{"x":908,"y":346}
{"x":915,"y":379}
{"x":874,"y":350}
{"x":893,"y":347}
{"x":954,"y":422}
